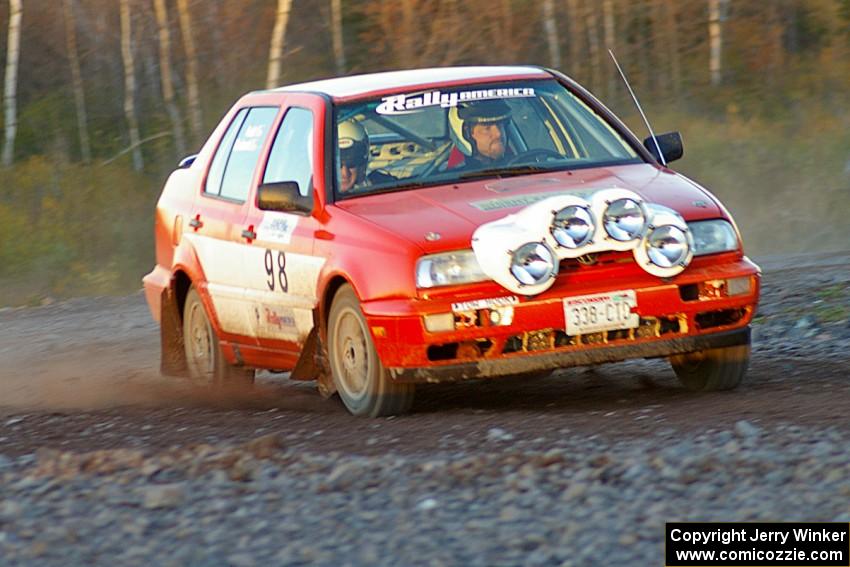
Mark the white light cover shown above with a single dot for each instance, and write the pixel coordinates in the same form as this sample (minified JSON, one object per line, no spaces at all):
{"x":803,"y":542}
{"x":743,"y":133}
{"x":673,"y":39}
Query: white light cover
{"x":496,"y":241}
{"x":494,"y":244}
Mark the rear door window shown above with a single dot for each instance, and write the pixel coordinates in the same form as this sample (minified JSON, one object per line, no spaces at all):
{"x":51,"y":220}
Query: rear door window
{"x":213,"y":184}
{"x":239,"y":171}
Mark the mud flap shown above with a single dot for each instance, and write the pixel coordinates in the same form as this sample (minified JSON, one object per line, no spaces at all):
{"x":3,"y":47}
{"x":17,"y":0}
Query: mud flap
{"x":312,"y":364}
{"x":172,"y":357}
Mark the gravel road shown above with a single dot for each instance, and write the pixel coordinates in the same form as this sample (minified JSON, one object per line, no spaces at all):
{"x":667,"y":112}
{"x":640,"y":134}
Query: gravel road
{"x":102,"y":461}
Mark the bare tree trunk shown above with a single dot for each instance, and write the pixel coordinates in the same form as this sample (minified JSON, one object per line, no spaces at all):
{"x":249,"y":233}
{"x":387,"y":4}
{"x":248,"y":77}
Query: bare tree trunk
{"x":673,"y":37}
{"x":195,"y":120}
{"x":165,"y":76}
{"x":610,"y":32}
{"x":660,"y":48}
{"x":507,"y":21}
{"x":336,"y":27}
{"x":503,"y":31}
{"x":593,"y":51}
{"x":574,"y":21}
{"x":77,"y":80}
{"x":407,"y":32}
{"x":551,"y":33}
{"x":715,"y":35}
{"x":642,"y":45}
{"x":130,"y":85}
{"x":277,"y":43}
{"x":13,"y":50}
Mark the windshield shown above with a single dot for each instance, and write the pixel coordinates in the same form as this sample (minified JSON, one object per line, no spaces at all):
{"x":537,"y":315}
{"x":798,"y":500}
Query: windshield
{"x":473,"y":131}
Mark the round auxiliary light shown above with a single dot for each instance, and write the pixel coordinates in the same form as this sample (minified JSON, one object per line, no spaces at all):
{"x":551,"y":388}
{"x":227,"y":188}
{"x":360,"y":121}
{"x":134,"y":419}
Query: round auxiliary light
{"x":573,"y":227}
{"x":533,"y":263}
{"x":624,"y":220}
{"x":667,"y":246}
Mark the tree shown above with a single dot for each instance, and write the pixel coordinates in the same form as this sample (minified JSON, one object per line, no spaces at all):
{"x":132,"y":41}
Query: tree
{"x":715,"y":36}
{"x":673,"y":37}
{"x":593,"y":48}
{"x":165,"y":76}
{"x":551,"y":33}
{"x":336,"y":33}
{"x":11,"y":83}
{"x":130,"y":85}
{"x":277,"y":43}
{"x":610,"y":36}
{"x":195,"y":119}
{"x":574,"y":21}
{"x":77,"y":80}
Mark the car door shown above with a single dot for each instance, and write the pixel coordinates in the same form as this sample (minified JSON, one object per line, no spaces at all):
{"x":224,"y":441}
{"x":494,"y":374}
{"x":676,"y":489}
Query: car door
{"x":281,"y":271}
{"x":218,"y":216}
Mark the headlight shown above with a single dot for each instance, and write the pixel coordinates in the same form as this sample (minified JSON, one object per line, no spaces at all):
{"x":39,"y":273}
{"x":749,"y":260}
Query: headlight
{"x":667,"y":246}
{"x":573,"y":227}
{"x":624,"y":220}
{"x":713,"y":236}
{"x":449,"y":268}
{"x":533,"y":263}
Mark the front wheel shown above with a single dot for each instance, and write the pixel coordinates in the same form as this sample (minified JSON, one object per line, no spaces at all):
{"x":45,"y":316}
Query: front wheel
{"x":204,"y":359}
{"x":363,"y":384}
{"x":713,"y":369}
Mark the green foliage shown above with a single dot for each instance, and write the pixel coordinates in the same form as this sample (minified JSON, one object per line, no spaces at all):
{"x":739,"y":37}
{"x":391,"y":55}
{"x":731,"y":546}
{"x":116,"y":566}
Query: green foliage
{"x":785,"y":180}
{"x":67,"y":229}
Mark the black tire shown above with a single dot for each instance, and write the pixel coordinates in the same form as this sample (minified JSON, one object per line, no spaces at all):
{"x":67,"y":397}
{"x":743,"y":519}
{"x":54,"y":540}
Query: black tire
{"x":205,"y":362}
{"x":364,"y":385}
{"x":714,"y":369}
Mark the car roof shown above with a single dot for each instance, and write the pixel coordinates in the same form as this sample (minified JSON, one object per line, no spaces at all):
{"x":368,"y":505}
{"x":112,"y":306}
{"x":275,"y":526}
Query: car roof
{"x":357,"y":85}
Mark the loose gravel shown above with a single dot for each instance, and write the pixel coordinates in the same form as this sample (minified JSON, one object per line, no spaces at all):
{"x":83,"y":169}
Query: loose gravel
{"x":491,"y":474}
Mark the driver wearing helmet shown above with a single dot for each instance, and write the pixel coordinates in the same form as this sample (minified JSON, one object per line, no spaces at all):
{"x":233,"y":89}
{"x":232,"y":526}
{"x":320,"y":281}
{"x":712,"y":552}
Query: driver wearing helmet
{"x":478,"y":131}
{"x":353,"y":142}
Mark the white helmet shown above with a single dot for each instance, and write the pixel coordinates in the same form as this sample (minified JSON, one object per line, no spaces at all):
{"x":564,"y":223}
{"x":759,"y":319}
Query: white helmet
{"x":353,"y":143}
{"x":465,"y":114}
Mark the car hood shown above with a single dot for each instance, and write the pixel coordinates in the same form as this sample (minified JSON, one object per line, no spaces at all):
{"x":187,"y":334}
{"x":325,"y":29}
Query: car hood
{"x":444,"y":217}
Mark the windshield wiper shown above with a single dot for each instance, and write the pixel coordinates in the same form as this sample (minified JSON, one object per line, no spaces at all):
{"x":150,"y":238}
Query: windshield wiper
{"x":505,"y":171}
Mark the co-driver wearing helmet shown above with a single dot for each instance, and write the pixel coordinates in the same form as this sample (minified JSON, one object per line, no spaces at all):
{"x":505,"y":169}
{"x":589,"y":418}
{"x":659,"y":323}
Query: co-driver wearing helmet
{"x":353,"y":144}
{"x":478,"y":130}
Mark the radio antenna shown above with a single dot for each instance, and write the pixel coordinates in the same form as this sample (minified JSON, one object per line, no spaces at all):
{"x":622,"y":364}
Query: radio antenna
{"x":634,"y":98}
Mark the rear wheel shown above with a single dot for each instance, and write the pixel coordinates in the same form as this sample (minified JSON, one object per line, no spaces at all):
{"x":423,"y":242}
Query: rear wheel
{"x":204,"y":359}
{"x":712,"y":369}
{"x":363,"y":384}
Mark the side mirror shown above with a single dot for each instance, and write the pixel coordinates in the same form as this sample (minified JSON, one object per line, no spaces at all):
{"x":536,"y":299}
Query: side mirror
{"x":283,"y":197}
{"x":187,"y":161}
{"x":670,"y":144}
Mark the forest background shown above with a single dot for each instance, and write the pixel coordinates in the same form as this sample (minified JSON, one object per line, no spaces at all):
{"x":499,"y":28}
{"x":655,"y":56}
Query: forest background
{"x":103,"y":97}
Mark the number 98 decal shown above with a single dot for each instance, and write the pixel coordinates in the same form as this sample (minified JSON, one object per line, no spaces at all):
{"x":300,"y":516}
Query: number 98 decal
{"x":276,"y":271}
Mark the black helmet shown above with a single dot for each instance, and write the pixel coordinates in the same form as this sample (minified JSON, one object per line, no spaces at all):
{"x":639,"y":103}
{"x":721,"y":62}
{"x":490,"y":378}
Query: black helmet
{"x":467,"y":113}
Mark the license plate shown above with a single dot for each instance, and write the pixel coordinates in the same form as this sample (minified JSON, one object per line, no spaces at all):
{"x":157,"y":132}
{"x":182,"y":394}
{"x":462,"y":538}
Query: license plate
{"x":601,"y":312}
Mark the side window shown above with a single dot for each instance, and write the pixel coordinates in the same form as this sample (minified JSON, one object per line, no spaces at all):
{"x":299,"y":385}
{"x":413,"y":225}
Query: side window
{"x":213,"y":185}
{"x":291,"y":158}
{"x":246,"y":150}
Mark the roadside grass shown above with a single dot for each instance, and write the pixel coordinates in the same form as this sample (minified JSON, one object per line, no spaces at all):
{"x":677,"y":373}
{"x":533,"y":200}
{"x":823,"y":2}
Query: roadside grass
{"x":68,"y":230}
{"x":785,"y":179}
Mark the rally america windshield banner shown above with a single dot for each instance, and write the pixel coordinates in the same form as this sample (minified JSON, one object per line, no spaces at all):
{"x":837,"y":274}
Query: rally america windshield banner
{"x":407,"y":103}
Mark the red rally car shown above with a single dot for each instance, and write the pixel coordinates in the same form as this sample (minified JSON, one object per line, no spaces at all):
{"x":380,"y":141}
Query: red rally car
{"x":375,"y":231}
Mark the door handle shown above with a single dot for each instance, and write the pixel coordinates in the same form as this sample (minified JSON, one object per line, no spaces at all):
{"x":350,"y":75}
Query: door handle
{"x":196,"y":222}
{"x":249,"y":234}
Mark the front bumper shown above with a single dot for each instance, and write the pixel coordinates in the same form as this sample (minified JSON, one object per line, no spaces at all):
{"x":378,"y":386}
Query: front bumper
{"x":491,"y":368}
{"x":673,"y":320}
